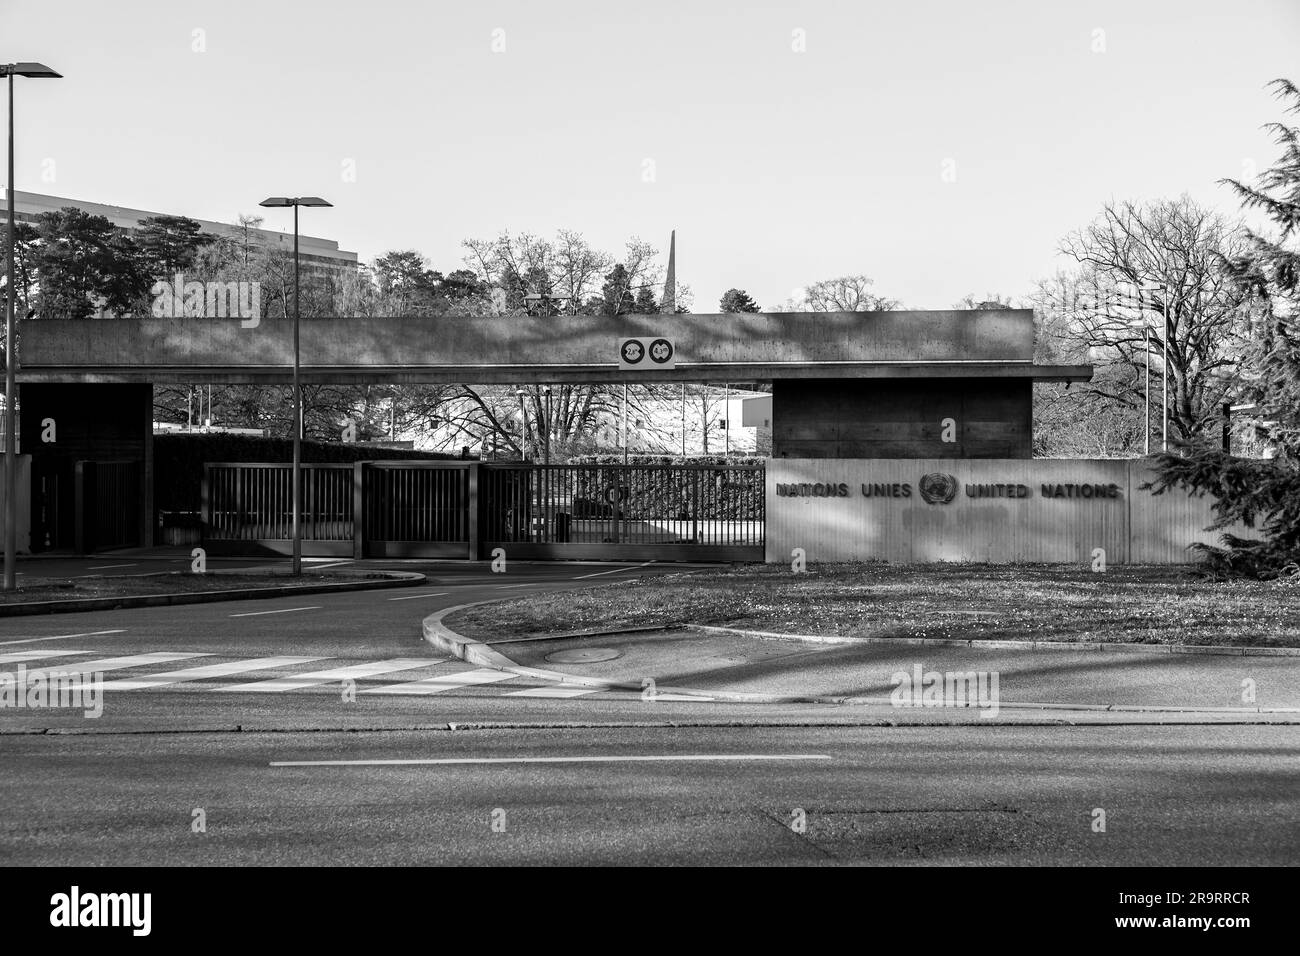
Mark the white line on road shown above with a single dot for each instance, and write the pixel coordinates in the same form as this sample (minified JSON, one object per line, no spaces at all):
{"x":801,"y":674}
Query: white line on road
{"x":444,"y":682}
{"x":453,"y":761}
{"x":412,"y":597}
{"x":316,"y":678}
{"x":121,"y":663}
{"x":283,"y":610}
{"x":506,"y":587}
{"x":18,"y":656}
{"x":327,"y":564}
{"x":558,"y":690}
{"x":105,"y":567}
{"x":63,"y":637}
{"x":206,"y":672}
{"x":611,"y":571}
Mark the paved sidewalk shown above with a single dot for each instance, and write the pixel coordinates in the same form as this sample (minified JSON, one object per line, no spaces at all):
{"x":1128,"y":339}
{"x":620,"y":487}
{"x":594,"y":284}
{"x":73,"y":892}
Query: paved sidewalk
{"x":712,"y":663}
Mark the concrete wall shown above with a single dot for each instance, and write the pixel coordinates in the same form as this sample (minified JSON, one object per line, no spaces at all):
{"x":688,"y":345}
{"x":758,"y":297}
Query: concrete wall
{"x":990,"y":418}
{"x":896,"y":523}
{"x":23,"y":482}
{"x":486,"y":349}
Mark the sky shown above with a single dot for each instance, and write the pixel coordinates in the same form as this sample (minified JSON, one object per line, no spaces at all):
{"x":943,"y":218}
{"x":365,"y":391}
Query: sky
{"x":942,"y":147}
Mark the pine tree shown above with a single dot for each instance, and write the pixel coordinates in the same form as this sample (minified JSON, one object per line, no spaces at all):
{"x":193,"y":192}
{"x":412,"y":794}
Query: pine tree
{"x":1263,"y":494}
{"x":737,"y":300}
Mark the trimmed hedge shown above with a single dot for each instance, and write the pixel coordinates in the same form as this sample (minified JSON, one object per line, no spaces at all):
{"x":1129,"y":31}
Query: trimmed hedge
{"x":722,"y":495}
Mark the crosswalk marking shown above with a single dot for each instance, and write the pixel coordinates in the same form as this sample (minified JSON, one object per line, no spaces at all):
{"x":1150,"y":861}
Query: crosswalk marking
{"x":17,"y":656}
{"x":316,"y":678}
{"x":443,"y":682}
{"x":208,"y":671}
{"x":559,"y":690}
{"x":64,"y":637}
{"x":121,"y":663}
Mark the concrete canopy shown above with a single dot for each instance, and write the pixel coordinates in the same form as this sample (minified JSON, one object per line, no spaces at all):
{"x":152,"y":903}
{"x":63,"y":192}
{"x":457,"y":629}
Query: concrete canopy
{"x":757,"y":347}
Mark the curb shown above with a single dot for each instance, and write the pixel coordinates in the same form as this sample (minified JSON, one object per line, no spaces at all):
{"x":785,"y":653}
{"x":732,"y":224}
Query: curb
{"x":481,"y":653}
{"x":1211,"y":649}
{"x":394,"y":579}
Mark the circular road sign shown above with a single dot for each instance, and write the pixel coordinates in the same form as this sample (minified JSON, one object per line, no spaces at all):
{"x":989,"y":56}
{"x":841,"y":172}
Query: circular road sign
{"x":633,"y":351}
{"x":661,"y":351}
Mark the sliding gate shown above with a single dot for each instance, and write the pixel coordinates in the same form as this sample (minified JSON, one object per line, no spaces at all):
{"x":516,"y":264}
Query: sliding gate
{"x":624,"y":512}
{"x":444,"y":509}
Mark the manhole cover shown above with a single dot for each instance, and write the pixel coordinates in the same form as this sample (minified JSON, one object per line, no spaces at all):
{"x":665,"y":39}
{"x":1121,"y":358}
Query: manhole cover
{"x":587,"y":655}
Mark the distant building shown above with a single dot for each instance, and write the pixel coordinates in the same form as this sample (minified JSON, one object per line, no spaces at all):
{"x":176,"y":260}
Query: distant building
{"x":318,"y":256}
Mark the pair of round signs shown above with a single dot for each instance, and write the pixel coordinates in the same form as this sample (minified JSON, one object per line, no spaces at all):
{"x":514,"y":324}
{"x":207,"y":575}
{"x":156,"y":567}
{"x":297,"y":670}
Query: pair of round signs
{"x":660,"y":351}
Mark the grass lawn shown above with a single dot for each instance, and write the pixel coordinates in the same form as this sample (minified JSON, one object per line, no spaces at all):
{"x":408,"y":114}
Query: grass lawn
{"x":166,"y":582}
{"x":1149,"y":605}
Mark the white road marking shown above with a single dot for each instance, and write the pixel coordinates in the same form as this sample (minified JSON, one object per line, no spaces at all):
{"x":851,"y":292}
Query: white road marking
{"x":207,"y":671}
{"x":558,"y":690}
{"x":412,"y":597}
{"x":328,"y":564}
{"x":316,"y":678}
{"x":652,"y":699}
{"x":105,"y":567}
{"x":630,"y":758}
{"x":18,"y":656}
{"x":121,"y":663}
{"x":506,"y":587}
{"x":611,"y":571}
{"x":283,"y":610}
{"x":62,"y":637}
{"x":443,"y":682}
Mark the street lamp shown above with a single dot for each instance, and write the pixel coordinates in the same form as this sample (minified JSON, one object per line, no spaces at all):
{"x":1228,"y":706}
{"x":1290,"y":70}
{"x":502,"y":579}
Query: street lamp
{"x":276,"y":202}
{"x":523,"y":423}
{"x":1164,"y":387}
{"x":34,"y":71}
{"x":546,"y":437}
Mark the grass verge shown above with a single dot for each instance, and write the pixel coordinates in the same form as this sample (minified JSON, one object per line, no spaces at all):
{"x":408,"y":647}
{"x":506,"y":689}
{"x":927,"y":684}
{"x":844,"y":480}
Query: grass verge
{"x":1143,"y":605}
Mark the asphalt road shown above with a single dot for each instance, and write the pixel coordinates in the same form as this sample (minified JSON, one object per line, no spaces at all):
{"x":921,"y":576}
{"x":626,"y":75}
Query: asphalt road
{"x":263,"y":690}
{"x":993,"y":795}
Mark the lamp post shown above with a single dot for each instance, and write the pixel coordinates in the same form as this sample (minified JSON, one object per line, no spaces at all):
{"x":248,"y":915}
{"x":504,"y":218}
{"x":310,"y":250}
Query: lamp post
{"x":523,"y":423}
{"x":546,"y":435}
{"x":1164,"y":388}
{"x":1146,"y":355}
{"x":33,"y":71}
{"x":295,"y":202}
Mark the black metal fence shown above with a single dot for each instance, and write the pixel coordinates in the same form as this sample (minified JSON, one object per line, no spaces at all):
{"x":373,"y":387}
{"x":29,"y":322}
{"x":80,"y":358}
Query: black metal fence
{"x":471,"y":509}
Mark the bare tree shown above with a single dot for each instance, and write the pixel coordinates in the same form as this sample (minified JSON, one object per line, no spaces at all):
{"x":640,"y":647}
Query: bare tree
{"x":846,"y":294}
{"x":1132,"y":264}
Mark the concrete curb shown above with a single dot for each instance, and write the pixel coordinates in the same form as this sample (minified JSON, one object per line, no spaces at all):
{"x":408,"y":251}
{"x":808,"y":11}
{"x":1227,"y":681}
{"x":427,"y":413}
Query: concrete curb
{"x":481,"y":653}
{"x":392,"y":579}
{"x":1211,"y":649}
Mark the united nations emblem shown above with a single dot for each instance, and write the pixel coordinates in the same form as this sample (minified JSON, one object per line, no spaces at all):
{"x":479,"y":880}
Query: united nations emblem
{"x":937,"y":488}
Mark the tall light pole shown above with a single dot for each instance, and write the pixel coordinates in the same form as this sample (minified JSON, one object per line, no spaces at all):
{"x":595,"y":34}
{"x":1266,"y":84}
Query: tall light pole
{"x":1164,"y":389}
{"x":1146,"y":355}
{"x":523,"y":423}
{"x":34,"y":71}
{"x":275,"y":202}
{"x":546,"y":436}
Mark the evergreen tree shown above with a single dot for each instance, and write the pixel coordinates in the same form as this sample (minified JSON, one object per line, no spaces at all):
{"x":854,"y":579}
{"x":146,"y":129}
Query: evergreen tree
{"x":1263,"y":494}
{"x":737,"y":300}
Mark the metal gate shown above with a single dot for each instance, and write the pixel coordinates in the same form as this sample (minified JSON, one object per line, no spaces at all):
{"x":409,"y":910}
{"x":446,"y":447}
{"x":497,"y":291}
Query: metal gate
{"x":627,"y":512}
{"x":442,"y":509}
{"x":415,"y":509}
